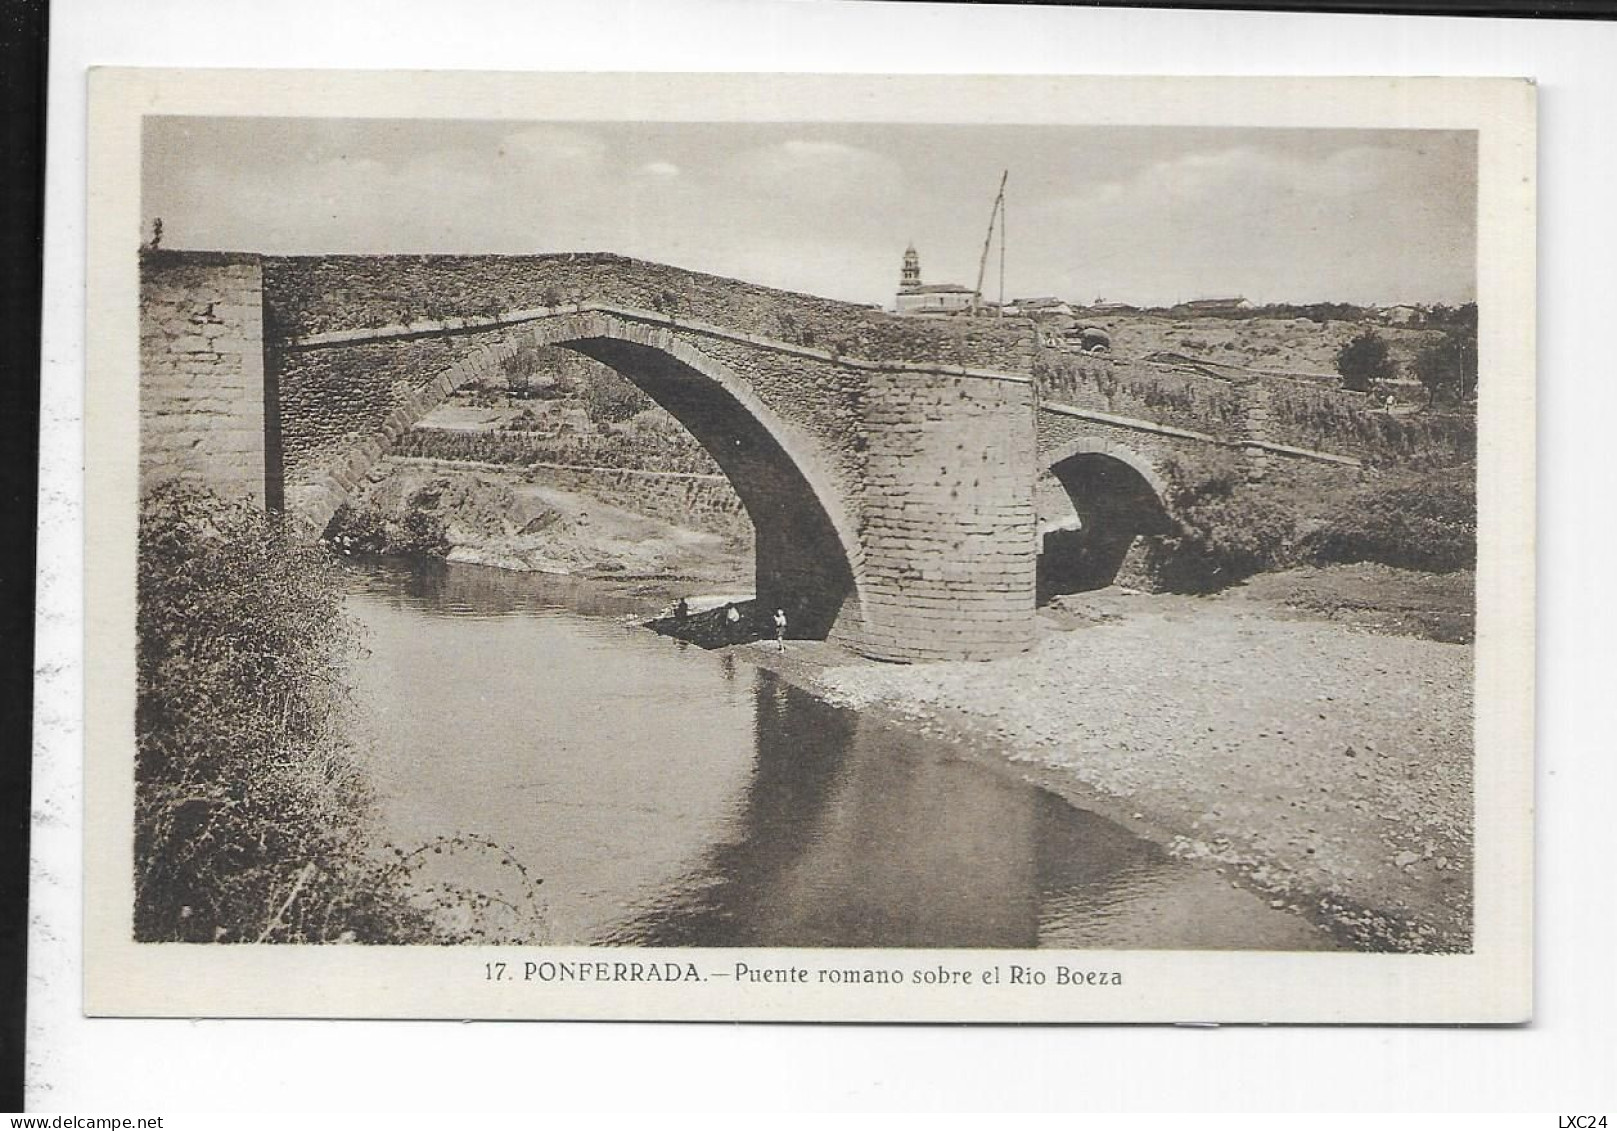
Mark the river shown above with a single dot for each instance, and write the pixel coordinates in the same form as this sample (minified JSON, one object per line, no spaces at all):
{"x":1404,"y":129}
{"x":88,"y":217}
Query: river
{"x":669,"y":795}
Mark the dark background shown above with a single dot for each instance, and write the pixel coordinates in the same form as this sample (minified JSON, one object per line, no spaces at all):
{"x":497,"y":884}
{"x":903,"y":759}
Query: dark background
{"x":23,"y":51}
{"x":22,"y":155}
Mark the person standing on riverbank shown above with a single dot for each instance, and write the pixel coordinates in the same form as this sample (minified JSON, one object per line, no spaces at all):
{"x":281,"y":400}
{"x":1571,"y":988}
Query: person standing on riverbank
{"x":780,"y":630}
{"x":732,"y":621}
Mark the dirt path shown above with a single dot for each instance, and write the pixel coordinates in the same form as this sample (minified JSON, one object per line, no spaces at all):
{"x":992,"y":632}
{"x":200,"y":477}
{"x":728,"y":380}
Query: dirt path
{"x":1324,"y":766}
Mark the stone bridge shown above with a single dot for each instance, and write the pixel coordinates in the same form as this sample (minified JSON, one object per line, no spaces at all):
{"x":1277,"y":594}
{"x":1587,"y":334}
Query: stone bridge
{"x":902,"y":475}
{"x":1103,"y":480}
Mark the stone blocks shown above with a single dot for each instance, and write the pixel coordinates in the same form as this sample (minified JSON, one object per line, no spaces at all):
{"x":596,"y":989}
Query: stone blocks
{"x":202,"y":388}
{"x":948,"y":524}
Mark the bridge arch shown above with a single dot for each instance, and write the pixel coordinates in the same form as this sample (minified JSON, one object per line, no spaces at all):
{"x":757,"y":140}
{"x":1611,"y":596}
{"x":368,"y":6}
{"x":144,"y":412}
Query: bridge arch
{"x":807,"y":555}
{"x":1099,"y":498}
{"x":808,"y":558}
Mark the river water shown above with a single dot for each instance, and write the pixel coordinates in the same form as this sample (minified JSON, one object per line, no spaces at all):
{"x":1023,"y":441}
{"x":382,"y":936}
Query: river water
{"x":669,"y":795}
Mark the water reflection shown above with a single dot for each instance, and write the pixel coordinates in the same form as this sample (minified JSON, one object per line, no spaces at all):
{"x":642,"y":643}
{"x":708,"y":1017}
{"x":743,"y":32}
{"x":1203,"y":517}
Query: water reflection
{"x":675,"y":796}
{"x":464,"y":590}
{"x":854,"y":835}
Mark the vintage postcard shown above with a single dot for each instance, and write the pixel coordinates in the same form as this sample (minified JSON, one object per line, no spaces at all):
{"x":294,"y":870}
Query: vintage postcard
{"x":798,"y":547}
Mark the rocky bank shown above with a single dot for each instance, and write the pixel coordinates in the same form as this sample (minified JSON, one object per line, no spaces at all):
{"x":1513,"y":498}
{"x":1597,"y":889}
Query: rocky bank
{"x":501,"y":517}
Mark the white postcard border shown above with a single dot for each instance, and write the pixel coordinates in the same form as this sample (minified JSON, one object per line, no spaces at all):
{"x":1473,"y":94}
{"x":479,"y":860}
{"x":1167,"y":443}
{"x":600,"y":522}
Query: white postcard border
{"x":1490,"y":985}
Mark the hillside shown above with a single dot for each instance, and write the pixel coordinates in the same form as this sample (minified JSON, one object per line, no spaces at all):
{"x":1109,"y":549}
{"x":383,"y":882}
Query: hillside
{"x":1292,"y":345}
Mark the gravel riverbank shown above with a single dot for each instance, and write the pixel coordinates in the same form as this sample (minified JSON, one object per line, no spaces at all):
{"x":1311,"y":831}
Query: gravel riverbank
{"x":1327,"y":767}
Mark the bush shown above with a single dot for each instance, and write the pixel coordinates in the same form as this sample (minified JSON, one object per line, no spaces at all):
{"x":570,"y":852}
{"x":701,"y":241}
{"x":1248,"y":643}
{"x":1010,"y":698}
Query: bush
{"x":252,"y":816}
{"x":418,"y":532}
{"x":519,"y":368}
{"x":248,"y":803}
{"x":1448,"y":367}
{"x":524,"y":421}
{"x":1425,"y":522}
{"x":1364,"y":361}
{"x":610,"y":399}
{"x":1228,"y":529}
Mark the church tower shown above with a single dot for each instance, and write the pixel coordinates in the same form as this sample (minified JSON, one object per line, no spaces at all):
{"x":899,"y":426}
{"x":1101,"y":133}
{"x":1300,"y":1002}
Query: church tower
{"x":911,"y":279}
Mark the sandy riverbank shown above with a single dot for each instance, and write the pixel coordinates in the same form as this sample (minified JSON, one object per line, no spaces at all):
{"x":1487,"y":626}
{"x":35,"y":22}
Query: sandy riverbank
{"x":1323,"y":765}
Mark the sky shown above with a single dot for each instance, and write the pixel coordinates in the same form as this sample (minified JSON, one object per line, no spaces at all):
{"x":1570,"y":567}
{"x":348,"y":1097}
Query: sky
{"x":1149,"y":215}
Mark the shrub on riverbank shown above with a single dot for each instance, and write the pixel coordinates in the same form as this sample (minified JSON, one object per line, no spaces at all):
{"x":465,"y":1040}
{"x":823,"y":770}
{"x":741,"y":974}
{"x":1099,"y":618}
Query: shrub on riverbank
{"x":1229,"y":529}
{"x":418,"y":530}
{"x":1425,"y":522}
{"x":252,"y":813}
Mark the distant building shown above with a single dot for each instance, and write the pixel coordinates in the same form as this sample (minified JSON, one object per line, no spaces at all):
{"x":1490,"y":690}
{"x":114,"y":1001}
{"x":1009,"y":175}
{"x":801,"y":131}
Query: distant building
{"x":1213,"y":305}
{"x":911,"y":279}
{"x":916,"y":297}
{"x":1045,"y":306}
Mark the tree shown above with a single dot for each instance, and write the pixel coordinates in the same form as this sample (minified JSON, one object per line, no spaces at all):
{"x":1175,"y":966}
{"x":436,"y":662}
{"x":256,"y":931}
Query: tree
{"x":519,"y":368}
{"x":1364,"y":361}
{"x":1448,"y":367}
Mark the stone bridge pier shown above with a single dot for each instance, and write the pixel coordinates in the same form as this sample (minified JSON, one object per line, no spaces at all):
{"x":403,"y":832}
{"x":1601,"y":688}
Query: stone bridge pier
{"x":949,"y":529}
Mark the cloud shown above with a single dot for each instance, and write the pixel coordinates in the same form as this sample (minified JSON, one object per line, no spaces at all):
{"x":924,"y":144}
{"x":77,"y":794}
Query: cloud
{"x":1242,"y":177}
{"x":554,"y":146}
{"x":825,"y":170}
{"x":1355,"y":222}
{"x":1284,"y":215}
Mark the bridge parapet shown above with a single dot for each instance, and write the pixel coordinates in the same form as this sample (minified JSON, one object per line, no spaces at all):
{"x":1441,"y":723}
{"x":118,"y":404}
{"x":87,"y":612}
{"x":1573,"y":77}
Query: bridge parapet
{"x":1266,"y":412}
{"x":317,"y":294}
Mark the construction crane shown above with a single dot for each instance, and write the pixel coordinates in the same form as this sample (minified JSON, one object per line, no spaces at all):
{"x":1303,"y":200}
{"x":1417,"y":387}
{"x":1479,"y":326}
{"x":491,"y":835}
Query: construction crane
{"x":996,"y":216}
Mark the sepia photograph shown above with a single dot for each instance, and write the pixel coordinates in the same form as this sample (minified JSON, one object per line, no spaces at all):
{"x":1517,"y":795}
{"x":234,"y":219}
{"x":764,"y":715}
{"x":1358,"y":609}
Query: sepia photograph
{"x":701,"y":550}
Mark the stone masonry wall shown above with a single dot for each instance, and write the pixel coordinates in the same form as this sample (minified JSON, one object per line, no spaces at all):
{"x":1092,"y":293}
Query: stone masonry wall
{"x":1059,"y":432}
{"x":344,"y":407}
{"x":202,"y":392}
{"x":1156,"y":393}
{"x":949,"y":531}
{"x":701,"y":502}
{"x":315,"y":294}
{"x":333,"y":398}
